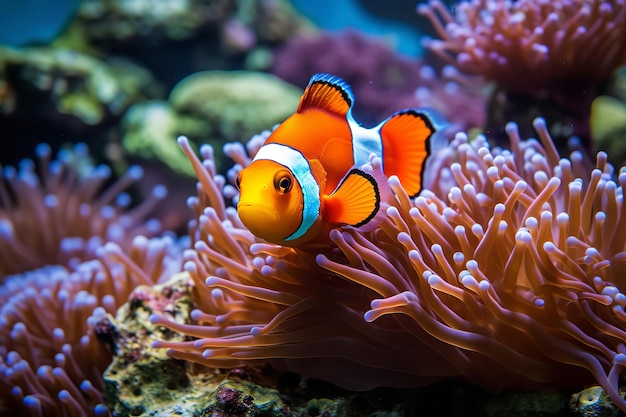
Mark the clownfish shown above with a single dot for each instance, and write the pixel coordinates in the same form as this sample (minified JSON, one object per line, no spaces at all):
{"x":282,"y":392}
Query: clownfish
{"x":307,"y":178}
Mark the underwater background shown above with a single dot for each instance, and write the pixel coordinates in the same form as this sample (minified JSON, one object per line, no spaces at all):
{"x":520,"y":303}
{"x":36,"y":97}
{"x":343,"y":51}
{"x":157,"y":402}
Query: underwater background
{"x":110,"y":227}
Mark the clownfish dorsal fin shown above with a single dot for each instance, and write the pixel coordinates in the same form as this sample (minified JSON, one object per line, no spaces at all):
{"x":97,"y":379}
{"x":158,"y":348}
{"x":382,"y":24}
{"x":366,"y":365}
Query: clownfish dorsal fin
{"x":327,"y":92}
{"x":356,"y":200}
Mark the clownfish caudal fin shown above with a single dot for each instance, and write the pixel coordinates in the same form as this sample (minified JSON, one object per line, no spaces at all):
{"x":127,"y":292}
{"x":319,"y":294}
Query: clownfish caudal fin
{"x":327,"y":92}
{"x":406,"y":144}
{"x":355,"y":202}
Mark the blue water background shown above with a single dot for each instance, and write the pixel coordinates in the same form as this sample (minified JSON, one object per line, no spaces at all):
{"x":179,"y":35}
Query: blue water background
{"x":34,"y":21}
{"x":342,"y":14}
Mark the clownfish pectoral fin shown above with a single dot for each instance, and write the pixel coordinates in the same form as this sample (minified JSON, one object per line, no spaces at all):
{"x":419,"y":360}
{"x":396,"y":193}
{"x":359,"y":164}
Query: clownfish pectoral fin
{"x":406,"y":144}
{"x":355,"y":202}
{"x":327,"y":92}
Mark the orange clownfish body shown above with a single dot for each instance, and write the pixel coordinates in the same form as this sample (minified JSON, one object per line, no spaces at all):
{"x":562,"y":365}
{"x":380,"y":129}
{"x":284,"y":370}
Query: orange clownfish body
{"x":307,"y":179}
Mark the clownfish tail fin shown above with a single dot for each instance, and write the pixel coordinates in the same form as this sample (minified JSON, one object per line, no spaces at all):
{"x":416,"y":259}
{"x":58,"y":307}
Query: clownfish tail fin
{"x":356,"y":201}
{"x":327,"y":92}
{"x":406,"y":144}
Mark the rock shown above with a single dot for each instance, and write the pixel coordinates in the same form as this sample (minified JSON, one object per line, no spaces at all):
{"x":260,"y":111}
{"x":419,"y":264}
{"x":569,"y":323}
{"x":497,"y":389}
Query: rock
{"x":593,"y":402}
{"x":143,"y":381}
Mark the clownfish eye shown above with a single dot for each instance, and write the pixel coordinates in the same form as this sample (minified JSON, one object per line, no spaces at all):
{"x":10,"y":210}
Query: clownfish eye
{"x":238,"y":181}
{"x":283,"y":181}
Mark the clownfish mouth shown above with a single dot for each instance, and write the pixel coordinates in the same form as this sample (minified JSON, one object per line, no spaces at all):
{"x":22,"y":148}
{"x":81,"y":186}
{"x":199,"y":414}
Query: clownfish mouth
{"x":257,"y":216}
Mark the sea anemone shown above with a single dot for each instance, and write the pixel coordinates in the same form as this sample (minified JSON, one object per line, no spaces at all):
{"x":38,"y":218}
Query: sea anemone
{"x":549,"y":58}
{"x":62,"y":214}
{"x":55,"y":337}
{"x":508,"y":272}
{"x":530,"y":43}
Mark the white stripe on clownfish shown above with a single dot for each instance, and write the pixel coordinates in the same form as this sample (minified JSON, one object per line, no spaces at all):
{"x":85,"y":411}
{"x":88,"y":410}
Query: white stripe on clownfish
{"x":364,"y":141}
{"x":299,"y":166}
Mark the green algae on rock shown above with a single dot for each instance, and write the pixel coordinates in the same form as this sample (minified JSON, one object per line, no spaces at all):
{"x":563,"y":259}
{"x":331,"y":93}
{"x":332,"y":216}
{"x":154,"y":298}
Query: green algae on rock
{"x":142,"y":380}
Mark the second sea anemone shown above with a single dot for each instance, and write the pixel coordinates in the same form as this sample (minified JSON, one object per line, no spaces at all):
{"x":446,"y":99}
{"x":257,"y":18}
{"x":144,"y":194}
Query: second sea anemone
{"x":59,"y":211}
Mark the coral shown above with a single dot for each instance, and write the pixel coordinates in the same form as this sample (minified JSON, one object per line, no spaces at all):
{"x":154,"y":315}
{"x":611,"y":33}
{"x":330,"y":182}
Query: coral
{"x":71,"y":86}
{"x":210,"y":107}
{"x":507,"y":271}
{"x":194,"y":34}
{"x":547,"y":58}
{"x":55,"y":333}
{"x":64,"y":96}
{"x":267,"y":21}
{"x":148,"y":131}
{"x":383,"y":81}
{"x":65,"y":212}
{"x":55,"y":337}
{"x":161,"y":19}
{"x":230,"y":102}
